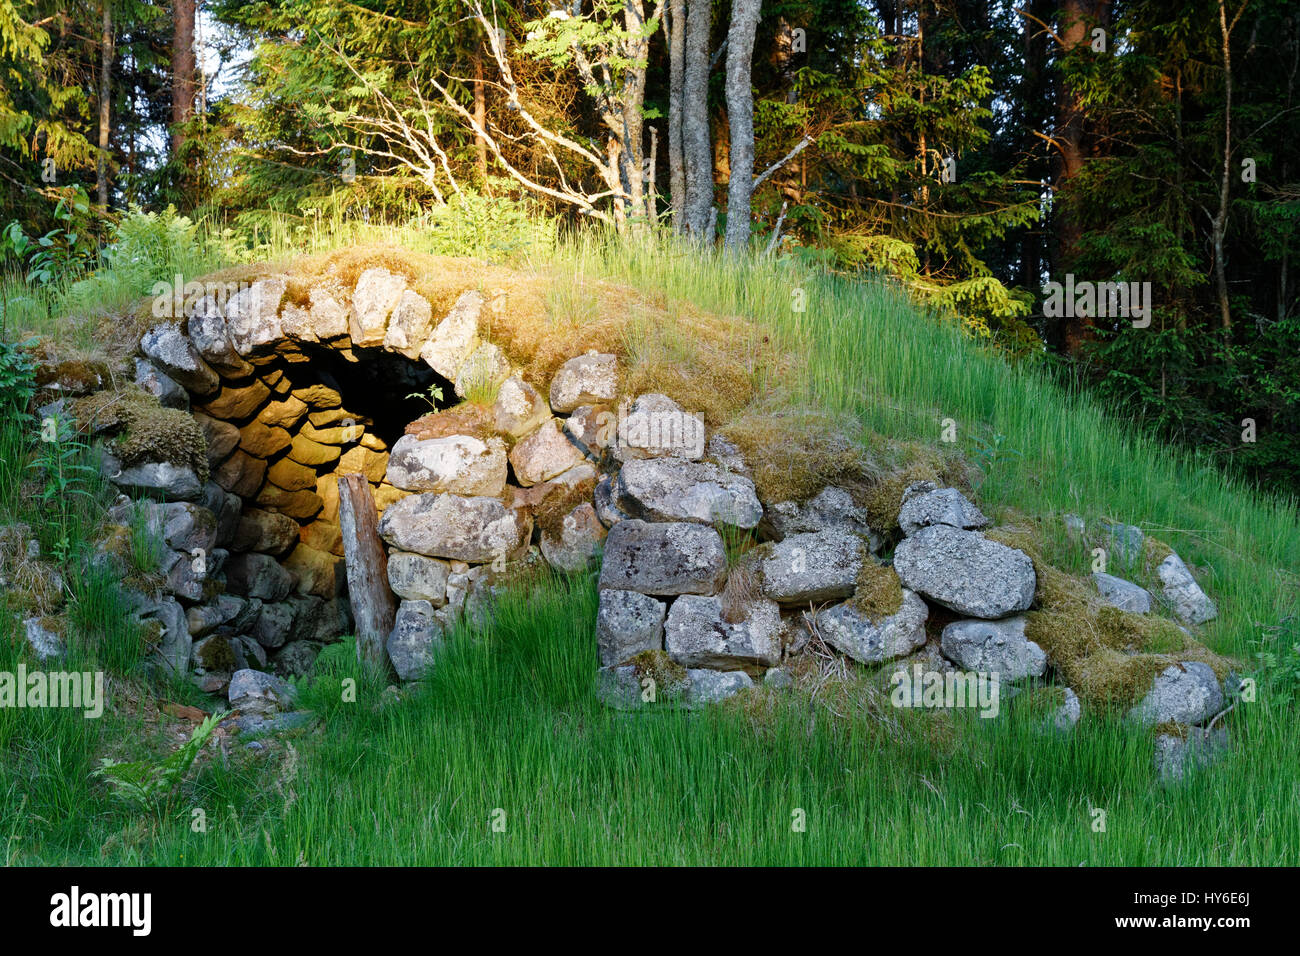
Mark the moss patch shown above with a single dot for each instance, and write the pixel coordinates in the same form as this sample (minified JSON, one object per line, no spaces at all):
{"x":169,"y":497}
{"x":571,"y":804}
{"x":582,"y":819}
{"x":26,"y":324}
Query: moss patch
{"x":554,"y":508}
{"x":794,"y":454}
{"x":879,"y":593}
{"x":670,"y":677}
{"x":145,"y":430}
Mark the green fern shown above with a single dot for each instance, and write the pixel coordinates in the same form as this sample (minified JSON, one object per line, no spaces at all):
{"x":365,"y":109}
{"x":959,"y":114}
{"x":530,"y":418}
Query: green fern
{"x":148,"y":783}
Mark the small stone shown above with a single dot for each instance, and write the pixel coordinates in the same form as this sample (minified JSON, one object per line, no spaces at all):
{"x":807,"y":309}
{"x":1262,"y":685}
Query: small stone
{"x":1122,"y":594}
{"x":586,"y":380}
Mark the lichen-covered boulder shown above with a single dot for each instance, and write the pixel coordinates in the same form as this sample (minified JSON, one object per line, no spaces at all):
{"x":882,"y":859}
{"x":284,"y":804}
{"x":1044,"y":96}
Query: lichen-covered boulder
{"x":589,"y":379}
{"x":818,"y":566}
{"x":1186,"y":693}
{"x":1175,"y":754}
{"x":663,"y":559}
{"x":697,"y":633}
{"x":628,"y":623}
{"x":994,"y":647}
{"x":545,"y":453}
{"x":473,"y":529}
{"x":416,"y":636}
{"x":665,"y":489}
{"x":455,"y":337}
{"x":1122,"y":594}
{"x":519,"y":408}
{"x":459,"y":464}
{"x":257,"y":692}
{"x":574,"y":541}
{"x":712,"y":687}
{"x":253,"y":316}
{"x":946,"y":506}
{"x":154,"y":479}
{"x":654,"y":426}
{"x":852,"y":631}
{"x":417,"y":577}
{"x":376,"y":296}
{"x":410,"y":324}
{"x":1177,"y":586}
{"x":176,"y":355}
{"x":831,"y":509}
{"x":966,"y":572}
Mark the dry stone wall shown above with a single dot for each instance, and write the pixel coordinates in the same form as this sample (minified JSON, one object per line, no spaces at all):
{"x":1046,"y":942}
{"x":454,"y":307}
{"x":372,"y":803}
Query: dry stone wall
{"x":704,"y":588}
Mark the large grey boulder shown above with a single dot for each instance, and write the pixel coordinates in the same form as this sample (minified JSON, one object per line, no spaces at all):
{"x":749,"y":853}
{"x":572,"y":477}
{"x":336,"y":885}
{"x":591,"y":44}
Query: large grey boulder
{"x":188,"y":527}
{"x":576,"y":542}
{"x":589,"y":379}
{"x":273,"y":625}
{"x":1186,"y":693}
{"x":831,"y":509}
{"x":663,"y":559}
{"x":265,"y":531}
{"x":415,"y":639}
{"x":628,"y":623}
{"x":417,"y":577}
{"x":994,"y":647}
{"x":473,"y":529}
{"x":460,"y":464}
{"x":850,"y":631}
{"x":176,"y":355}
{"x":654,"y":426}
{"x":256,"y":575}
{"x":1177,"y":586}
{"x":257,"y":692}
{"x":253,"y":316}
{"x":373,"y":300}
{"x":1175,"y":754}
{"x":667,"y":489}
{"x":818,"y":566}
{"x":154,"y":479}
{"x":455,"y":337}
{"x":211,"y":338}
{"x":175,"y":646}
{"x":410,"y":324}
{"x":696,"y":634}
{"x":519,"y":408}
{"x":545,"y":453}
{"x":161,"y":386}
{"x":1122,"y":594}
{"x":711,"y":687}
{"x":966,"y":572}
{"x":946,"y":506}
{"x":45,"y":644}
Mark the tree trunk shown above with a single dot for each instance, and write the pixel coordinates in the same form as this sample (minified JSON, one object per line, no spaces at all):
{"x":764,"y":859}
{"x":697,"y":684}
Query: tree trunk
{"x":740,"y":117}
{"x":480,"y":117}
{"x":1078,"y":17}
{"x":105,"y":102}
{"x":373,"y":604}
{"x":696,"y":150}
{"x":182,"y":70}
{"x":676,"y":74}
{"x":1219,"y":228}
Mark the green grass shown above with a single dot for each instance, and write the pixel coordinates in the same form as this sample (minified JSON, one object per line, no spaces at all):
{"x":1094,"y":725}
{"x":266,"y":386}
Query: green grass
{"x":507,"y":720}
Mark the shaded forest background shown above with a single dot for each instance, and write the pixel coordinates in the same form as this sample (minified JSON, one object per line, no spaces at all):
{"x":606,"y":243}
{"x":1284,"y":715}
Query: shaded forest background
{"x":972,"y":152}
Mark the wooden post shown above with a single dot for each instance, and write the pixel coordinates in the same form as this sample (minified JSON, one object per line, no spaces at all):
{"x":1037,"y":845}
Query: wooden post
{"x":373,"y":604}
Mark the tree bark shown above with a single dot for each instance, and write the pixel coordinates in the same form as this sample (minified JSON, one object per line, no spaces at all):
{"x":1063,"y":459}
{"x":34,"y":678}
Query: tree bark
{"x":373,"y":604}
{"x":740,"y":118}
{"x":1219,"y":225}
{"x":696,"y":148}
{"x":105,"y":101}
{"x":182,"y":71}
{"x":676,"y":80}
{"x":1078,"y":17}
{"x":480,"y":117}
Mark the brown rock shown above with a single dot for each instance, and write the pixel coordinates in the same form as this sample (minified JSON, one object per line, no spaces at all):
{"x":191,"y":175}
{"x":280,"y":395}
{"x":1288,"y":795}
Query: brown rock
{"x":284,"y":413}
{"x":296,"y":504}
{"x":291,"y":476}
{"x":262,"y":440}
{"x":240,"y":474}
{"x":241,"y":402}
{"x":308,"y":452}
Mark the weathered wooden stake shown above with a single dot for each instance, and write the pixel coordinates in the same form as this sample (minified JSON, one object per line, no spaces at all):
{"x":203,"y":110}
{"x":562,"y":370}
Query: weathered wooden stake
{"x":373,"y":604}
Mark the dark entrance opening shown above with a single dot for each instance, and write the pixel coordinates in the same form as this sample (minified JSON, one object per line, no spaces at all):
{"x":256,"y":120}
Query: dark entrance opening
{"x":387,"y":388}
